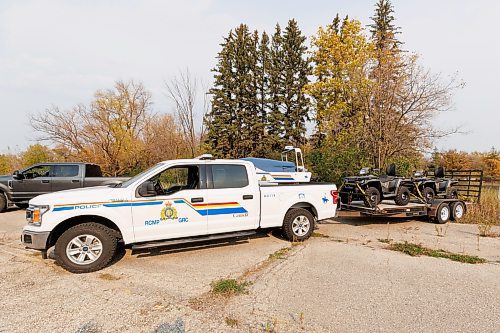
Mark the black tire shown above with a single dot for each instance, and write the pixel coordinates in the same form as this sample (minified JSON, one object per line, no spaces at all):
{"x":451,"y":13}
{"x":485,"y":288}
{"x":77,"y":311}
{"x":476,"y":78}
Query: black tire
{"x":372,"y":197}
{"x":402,"y":196}
{"x":106,"y":238}
{"x":428,"y":194}
{"x":458,"y":210}
{"x":452,"y":193}
{"x":292,"y":217}
{"x":22,"y":205}
{"x":443,"y":214}
{"x":344,"y":198}
{"x":3,"y":202}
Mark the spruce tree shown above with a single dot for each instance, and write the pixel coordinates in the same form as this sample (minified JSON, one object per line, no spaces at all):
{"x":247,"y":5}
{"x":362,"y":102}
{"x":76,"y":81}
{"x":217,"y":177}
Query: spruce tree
{"x":297,"y":68}
{"x":383,"y":29}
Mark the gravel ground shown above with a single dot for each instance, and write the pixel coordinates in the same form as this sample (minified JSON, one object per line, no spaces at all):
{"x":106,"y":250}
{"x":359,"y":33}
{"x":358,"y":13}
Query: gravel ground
{"x":346,"y":281}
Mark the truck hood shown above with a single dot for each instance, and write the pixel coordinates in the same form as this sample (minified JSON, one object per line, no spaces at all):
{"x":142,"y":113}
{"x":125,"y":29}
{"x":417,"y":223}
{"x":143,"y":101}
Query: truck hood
{"x":76,"y":196}
{"x":5,"y":179}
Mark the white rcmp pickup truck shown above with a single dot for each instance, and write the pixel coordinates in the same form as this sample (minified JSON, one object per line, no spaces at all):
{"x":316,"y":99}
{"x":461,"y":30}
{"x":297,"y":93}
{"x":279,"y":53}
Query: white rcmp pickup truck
{"x":174,"y":202}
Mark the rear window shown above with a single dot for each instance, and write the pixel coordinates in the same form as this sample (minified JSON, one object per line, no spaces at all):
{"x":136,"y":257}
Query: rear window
{"x":229,"y":176}
{"x":92,"y":171}
{"x":65,"y":170}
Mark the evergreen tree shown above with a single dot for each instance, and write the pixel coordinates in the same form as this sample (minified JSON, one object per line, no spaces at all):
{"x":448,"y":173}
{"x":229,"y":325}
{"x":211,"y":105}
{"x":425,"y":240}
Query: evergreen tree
{"x":383,"y":29}
{"x":297,"y":68}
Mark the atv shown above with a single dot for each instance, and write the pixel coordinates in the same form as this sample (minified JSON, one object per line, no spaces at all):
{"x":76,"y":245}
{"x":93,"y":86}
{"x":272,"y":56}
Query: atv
{"x":428,"y":188}
{"x":373,"y":189}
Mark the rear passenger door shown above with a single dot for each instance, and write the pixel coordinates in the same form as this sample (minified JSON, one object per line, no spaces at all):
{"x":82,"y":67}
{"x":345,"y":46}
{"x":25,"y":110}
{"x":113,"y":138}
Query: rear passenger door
{"x":65,"y":177}
{"x":232,"y":202}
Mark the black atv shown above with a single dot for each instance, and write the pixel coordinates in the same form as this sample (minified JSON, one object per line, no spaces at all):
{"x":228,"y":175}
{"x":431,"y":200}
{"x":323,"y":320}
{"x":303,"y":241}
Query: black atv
{"x":428,"y":188}
{"x":373,"y":189}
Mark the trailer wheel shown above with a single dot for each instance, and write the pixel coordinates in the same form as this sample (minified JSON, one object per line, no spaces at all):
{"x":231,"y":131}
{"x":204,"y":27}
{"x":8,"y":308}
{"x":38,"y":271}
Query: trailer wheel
{"x":3,"y":202}
{"x":298,"y":224}
{"x":372,"y":197}
{"x":457,"y":210}
{"x":428,"y":194}
{"x":452,"y":193}
{"x":86,"y":247}
{"x":443,"y":214}
{"x":402,"y":196}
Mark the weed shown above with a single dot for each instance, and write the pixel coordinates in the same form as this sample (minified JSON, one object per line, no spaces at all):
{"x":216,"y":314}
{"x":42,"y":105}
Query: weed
{"x":231,"y":322}
{"x":440,"y":230}
{"x":280,"y":254}
{"x":228,"y":287}
{"x":319,"y":235}
{"x":418,"y":250}
{"x":486,"y":212}
{"x":385,"y":240}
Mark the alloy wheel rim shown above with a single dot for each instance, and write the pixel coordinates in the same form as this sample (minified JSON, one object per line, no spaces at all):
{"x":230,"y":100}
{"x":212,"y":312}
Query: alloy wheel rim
{"x":84,"y":249}
{"x":301,"y":225}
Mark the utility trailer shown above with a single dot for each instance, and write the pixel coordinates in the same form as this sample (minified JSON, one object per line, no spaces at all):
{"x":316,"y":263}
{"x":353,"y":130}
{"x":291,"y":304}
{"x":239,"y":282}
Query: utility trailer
{"x":439,"y":211}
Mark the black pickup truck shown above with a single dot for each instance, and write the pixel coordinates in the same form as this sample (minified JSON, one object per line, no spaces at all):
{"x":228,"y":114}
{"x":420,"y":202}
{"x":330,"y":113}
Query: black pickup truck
{"x":42,"y":178}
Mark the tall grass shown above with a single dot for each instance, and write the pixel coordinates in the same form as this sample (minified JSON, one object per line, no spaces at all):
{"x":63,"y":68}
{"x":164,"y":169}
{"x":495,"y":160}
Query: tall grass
{"x":486,"y":213}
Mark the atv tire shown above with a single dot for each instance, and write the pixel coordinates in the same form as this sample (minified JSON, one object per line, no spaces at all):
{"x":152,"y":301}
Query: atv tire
{"x":452,"y":193}
{"x":3,"y":202}
{"x":428,"y":194}
{"x":402,"y":196}
{"x":372,"y":197}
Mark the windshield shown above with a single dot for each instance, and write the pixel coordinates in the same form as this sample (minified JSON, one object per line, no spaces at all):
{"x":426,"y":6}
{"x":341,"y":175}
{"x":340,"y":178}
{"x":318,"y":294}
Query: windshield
{"x":139,"y":176}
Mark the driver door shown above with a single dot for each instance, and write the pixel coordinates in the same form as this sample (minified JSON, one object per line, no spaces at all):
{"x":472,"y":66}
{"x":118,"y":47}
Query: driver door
{"x":35,"y":181}
{"x":177,"y":209}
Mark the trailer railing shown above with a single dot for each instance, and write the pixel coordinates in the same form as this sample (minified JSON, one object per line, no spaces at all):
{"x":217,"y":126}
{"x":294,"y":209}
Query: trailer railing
{"x":470,"y":183}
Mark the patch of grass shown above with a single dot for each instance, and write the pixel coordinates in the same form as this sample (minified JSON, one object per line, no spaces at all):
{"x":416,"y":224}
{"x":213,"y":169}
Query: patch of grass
{"x":229,"y":287}
{"x":486,"y":213}
{"x":385,"y":240}
{"x":231,"y":322}
{"x":107,"y":276}
{"x":280,"y":254}
{"x":319,"y":235}
{"x":416,"y":250}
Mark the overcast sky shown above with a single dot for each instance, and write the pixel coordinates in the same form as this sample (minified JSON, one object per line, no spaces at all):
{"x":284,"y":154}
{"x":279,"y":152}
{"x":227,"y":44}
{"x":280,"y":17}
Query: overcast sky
{"x":56,"y":52}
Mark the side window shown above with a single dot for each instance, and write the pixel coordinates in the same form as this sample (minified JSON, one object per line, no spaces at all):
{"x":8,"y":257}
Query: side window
{"x":64,"y":170}
{"x":92,"y":170}
{"x":37,"y":171}
{"x":175,"y":179}
{"x":229,"y":176}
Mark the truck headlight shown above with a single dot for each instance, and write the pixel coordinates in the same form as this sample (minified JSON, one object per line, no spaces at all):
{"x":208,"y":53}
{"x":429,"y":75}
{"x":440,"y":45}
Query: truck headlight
{"x":34,"y":214}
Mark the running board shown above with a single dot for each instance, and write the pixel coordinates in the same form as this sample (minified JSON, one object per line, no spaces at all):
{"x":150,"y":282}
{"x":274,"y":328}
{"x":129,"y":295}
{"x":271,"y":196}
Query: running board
{"x":177,"y":241}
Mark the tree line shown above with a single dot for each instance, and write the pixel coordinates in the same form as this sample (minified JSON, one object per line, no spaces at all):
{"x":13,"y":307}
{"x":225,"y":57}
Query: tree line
{"x":352,"y":98}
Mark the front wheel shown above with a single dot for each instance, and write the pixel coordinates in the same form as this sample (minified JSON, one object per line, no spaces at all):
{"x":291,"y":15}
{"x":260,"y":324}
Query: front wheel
{"x":3,"y":202}
{"x":428,"y":194}
{"x":298,"y":224}
{"x":86,"y":247}
{"x":372,"y":197}
{"x":402,"y":196}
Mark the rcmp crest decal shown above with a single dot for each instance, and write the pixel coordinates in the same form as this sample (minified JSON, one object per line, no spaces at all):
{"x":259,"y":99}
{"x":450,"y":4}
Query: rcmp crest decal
{"x":168,"y":212}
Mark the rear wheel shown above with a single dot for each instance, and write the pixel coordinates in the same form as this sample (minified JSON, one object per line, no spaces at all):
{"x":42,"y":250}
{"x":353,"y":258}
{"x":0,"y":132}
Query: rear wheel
{"x":298,"y":224}
{"x":372,"y":197}
{"x":402,"y":196}
{"x":85,"y":248}
{"x":457,"y":210}
{"x":452,"y":193}
{"x":428,"y":194}
{"x":443,"y":214}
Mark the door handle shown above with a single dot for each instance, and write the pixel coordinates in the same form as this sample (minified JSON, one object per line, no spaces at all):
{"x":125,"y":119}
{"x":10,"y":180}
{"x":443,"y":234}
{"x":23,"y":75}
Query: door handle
{"x":193,"y":200}
{"x":45,"y":181}
{"x":75,"y":180}
{"x":247,"y":197}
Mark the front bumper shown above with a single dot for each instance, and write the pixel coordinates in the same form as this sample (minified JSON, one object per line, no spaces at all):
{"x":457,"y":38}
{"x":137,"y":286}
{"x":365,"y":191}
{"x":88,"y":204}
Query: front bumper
{"x":35,"y":240}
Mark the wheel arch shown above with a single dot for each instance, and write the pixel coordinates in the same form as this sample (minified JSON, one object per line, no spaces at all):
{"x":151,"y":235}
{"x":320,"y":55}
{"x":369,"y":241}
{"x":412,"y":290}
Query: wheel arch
{"x":307,"y":206}
{"x":71,"y":222}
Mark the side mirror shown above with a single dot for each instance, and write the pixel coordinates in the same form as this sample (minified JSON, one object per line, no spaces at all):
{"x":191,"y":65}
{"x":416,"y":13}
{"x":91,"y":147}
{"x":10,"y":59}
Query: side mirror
{"x":17,"y":175}
{"x":147,"y":189}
